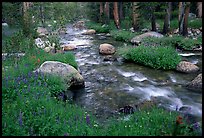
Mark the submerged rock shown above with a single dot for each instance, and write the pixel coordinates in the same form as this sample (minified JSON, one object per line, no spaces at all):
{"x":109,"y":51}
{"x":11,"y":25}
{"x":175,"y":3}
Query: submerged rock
{"x":128,"y":109}
{"x":109,"y":58}
{"x":196,"y":83}
{"x":42,"y":31}
{"x":89,"y":32}
{"x":69,"y":47}
{"x":69,"y":74}
{"x":137,"y":39}
{"x":106,"y":49}
{"x":186,"y":67}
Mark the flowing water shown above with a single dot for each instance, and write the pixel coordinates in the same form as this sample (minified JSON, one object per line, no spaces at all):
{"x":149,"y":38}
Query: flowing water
{"x":110,"y":85}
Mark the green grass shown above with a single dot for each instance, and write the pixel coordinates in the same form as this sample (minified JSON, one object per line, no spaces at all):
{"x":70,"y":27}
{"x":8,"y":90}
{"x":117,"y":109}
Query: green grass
{"x":123,"y":35}
{"x":156,"y":57}
{"x":175,"y":42}
{"x":98,"y":27}
{"x":32,"y":104}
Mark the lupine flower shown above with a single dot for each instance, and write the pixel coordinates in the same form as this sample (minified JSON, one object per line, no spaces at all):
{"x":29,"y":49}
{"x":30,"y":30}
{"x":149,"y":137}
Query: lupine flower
{"x":25,"y":80}
{"x":66,"y":134}
{"x":26,"y":65}
{"x":196,"y":125}
{"x":29,"y":74}
{"x":20,"y":119}
{"x":87,"y":119}
{"x":176,"y":107}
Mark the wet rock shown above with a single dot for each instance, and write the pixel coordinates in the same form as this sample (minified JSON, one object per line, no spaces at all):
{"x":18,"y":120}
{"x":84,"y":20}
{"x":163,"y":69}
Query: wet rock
{"x":128,"y":109}
{"x":109,"y":58}
{"x":89,"y":32}
{"x":106,"y":49}
{"x":4,"y":24}
{"x":137,"y":39}
{"x":48,"y":49}
{"x":185,"y":108}
{"x":145,"y":30}
{"x":101,"y":37}
{"x":68,"y":47}
{"x":79,"y":25}
{"x":108,"y":35}
{"x":62,"y":31}
{"x":68,"y":73}
{"x":42,"y":30}
{"x":191,"y":15}
{"x":187,"y":67}
{"x":196,"y":83}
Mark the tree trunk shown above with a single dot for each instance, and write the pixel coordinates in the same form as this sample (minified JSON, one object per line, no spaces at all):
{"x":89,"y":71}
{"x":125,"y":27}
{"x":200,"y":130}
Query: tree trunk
{"x":199,"y":8}
{"x":42,"y":14}
{"x":121,"y":11}
{"x":135,"y":16}
{"x":181,"y":17}
{"x":101,"y":12}
{"x":26,"y":22}
{"x":166,"y":28}
{"x":180,"y":7}
{"x":115,"y":14}
{"x":153,"y":22}
{"x":107,"y":13}
{"x":185,"y":25}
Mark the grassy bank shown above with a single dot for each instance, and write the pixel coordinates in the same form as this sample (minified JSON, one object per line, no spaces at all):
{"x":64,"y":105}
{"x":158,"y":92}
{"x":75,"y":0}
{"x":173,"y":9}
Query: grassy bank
{"x":156,"y":57}
{"x":30,"y":108}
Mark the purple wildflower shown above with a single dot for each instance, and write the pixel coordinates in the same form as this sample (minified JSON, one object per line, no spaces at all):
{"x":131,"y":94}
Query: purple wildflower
{"x":66,"y":134}
{"x":39,"y":84}
{"x":26,"y":65}
{"x":25,"y":80}
{"x":20,"y":119}
{"x":87,"y":119}
{"x":29,"y":74}
{"x":176,"y":107}
{"x":196,"y":125}
{"x":57,"y":119}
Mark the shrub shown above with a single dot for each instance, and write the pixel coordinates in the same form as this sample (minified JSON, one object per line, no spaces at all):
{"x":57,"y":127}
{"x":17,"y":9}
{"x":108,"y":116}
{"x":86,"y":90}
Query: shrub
{"x":195,"y":23}
{"x":98,"y":27}
{"x":175,"y":41}
{"x":17,"y":43}
{"x":155,"y":57}
{"x":122,"y":35}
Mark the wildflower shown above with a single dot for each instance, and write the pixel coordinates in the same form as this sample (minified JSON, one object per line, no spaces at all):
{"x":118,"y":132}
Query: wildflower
{"x":66,"y":134}
{"x":196,"y":125}
{"x":176,"y":107}
{"x":87,"y":119}
{"x":38,"y":60}
{"x":179,"y":120}
{"x":20,"y":119}
{"x":95,"y":125}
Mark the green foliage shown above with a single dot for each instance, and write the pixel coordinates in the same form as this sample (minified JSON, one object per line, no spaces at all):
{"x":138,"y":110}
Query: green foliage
{"x":98,"y":27}
{"x":11,"y":13}
{"x":161,"y":15}
{"x":175,"y":41}
{"x":152,"y":122}
{"x":195,"y":23}
{"x":156,"y":57}
{"x":122,"y":35}
{"x":16,"y":43}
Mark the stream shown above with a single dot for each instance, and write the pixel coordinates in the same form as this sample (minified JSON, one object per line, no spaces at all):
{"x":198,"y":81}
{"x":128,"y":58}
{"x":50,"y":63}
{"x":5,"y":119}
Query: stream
{"x":110,"y":85}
